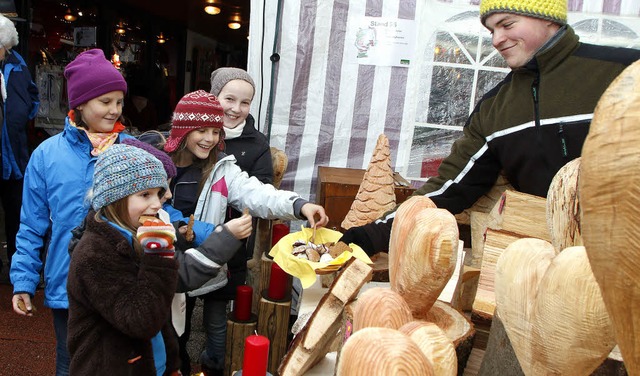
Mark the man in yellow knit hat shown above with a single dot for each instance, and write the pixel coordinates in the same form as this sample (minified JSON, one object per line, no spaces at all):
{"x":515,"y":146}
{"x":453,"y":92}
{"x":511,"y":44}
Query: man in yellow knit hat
{"x":529,"y":125}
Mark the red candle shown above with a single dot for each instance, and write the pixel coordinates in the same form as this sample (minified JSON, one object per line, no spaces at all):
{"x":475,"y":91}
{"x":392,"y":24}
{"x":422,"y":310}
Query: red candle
{"x":278,"y":232}
{"x":242,"y":305}
{"x":256,"y":356}
{"x":277,"y":282}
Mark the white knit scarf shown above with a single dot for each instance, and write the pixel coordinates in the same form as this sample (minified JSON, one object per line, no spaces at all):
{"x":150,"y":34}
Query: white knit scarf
{"x":231,"y":133}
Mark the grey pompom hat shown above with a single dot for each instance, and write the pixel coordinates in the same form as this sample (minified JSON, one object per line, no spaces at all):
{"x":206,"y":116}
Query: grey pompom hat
{"x":222,"y":76}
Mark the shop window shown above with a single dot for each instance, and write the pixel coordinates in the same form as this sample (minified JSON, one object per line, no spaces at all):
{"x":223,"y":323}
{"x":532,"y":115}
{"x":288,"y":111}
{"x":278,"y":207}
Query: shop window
{"x":460,"y":66}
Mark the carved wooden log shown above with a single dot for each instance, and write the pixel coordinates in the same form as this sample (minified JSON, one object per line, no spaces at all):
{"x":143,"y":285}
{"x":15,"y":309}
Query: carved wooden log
{"x":466,"y":289}
{"x":279,"y":162}
{"x":262,"y":245}
{"x":456,"y":326}
{"x":610,"y":196}
{"x":500,"y":359}
{"x":273,"y":322}
{"x":550,"y":306}
{"x":486,"y":202}
{"x":237,"y":332}
{"x":381,"y":307}
{"x":479,"y":224}
{"x":435,"y":345}
{"x":563,"y":207}
{"x":521,"y":213}
{"x":314,"y":340}
{"x":380,"y":267}
{"x":382,"y":352}
{"x":496,"y":242}
{"x":422,"y":252}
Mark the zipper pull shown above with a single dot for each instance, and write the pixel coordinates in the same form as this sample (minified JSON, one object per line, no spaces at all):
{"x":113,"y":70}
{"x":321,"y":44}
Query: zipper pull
{"x":563,"y":141}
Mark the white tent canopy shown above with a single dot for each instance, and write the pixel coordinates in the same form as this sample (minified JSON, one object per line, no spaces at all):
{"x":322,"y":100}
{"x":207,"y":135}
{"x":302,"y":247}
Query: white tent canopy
{"x":324,"y":107}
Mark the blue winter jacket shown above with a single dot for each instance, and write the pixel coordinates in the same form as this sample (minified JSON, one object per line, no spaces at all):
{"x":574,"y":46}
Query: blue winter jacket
{"x":20,"y":106}
{"x":56,"y":182}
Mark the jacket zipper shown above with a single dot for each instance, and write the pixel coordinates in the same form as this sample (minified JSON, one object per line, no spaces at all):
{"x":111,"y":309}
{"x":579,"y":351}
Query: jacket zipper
{"x":535,"y":86}
{"x":563,"y":140}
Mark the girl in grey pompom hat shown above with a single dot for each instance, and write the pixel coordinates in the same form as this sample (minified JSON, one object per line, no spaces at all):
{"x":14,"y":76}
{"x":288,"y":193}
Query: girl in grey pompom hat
{"x":222,"y":76}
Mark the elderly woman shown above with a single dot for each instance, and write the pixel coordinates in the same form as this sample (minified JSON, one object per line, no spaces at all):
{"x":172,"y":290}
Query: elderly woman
{"x":19,"y":105}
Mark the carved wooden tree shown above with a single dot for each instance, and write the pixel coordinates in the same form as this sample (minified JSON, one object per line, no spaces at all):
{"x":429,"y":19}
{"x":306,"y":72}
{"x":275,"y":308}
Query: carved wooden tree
{"x":376,"y":194}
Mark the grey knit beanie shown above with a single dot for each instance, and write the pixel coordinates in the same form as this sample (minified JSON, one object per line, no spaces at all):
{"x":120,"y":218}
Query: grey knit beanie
{"x":221,"y":76}
{"x":167,"y":163}
{"x":123,"y":170}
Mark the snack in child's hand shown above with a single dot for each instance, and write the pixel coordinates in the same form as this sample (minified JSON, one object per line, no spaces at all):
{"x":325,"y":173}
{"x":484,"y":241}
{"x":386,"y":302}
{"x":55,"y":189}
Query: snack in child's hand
{"x":148,"y":218}
{"x":23,"y":307}
{"x":189,"y":235}
{"x":157,"y":237}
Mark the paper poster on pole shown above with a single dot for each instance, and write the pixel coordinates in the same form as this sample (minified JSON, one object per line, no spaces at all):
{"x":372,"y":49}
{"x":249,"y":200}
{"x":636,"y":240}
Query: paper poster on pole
{"x":381,"y":41}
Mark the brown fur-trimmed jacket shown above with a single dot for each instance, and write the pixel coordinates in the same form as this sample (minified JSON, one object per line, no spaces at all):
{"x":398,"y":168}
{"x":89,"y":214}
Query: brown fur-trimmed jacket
{"x":118,"y":301}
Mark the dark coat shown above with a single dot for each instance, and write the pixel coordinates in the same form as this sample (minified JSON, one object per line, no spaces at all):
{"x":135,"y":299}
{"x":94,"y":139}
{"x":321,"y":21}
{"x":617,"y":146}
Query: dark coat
{"x":118,"y":301}
{"x":20,"y":107}
{"x":253,"y":155}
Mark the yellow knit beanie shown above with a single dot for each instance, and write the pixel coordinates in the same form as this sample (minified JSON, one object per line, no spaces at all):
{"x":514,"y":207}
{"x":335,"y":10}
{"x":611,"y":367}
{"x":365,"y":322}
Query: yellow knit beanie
{"x":552,"y":10}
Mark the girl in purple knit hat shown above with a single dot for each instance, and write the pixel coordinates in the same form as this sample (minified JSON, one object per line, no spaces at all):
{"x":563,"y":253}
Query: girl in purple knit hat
{"x":57,"y":178}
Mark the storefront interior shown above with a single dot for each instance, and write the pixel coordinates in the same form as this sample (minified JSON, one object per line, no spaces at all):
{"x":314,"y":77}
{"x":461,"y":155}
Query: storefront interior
{"x":164,"y":49}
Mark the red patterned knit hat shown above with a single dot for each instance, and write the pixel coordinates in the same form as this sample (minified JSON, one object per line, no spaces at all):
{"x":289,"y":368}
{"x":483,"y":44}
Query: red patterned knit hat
{"x":195,"y":110}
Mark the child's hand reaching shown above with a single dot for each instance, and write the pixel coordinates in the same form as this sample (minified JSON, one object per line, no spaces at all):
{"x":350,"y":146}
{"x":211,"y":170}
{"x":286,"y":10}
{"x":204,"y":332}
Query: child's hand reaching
{"x":157,"y":238}
{"x":310,"y":211}
{"x":240,"y":227}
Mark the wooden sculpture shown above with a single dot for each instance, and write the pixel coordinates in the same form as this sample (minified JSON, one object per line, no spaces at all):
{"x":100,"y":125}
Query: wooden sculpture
{"x":422,"y":252}
{"x":610,"y":197}
{"x":376,"y":194}
{"x":279,"y":161}
{"x":382,"y":352}
{"x":314,"y":340}
{"x":435,"y":345}
{"x":381,"y":307}
{"x":563,"y":207}
{"x":552,"y":309}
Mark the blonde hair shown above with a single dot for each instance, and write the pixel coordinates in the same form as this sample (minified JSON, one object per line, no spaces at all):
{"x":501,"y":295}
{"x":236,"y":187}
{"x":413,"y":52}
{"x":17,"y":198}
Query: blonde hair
{"x":117,"y":212}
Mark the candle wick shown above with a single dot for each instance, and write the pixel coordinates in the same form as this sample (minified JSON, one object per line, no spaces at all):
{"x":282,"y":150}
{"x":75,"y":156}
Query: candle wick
{"x":255,"y":332}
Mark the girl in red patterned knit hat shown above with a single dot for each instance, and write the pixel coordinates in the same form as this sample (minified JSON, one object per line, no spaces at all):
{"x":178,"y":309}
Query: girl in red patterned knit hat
{"x":209,"y":182}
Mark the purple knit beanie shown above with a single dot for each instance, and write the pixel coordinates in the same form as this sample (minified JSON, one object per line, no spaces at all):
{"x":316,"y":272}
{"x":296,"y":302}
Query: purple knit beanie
{"x":163,"y":157}
{"x":90,"y":75}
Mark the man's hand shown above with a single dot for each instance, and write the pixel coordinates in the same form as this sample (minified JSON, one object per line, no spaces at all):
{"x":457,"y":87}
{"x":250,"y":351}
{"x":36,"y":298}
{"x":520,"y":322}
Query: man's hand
{"x":358,"y":236}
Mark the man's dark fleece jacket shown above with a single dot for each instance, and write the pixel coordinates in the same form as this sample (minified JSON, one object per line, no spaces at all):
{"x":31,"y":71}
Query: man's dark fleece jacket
{"x":529,"y":126}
